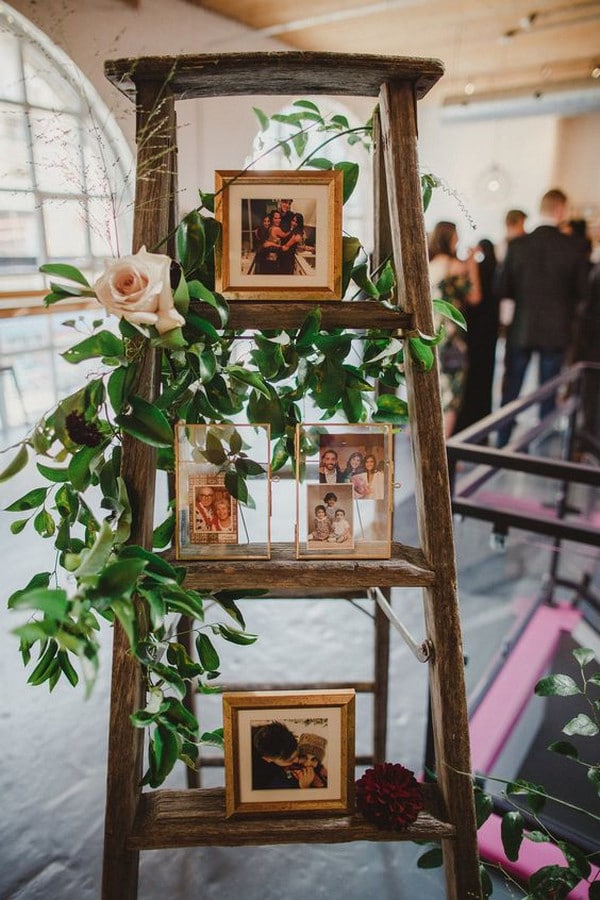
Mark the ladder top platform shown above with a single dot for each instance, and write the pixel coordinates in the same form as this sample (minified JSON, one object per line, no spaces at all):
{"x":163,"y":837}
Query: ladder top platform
{"x":287,"y":72}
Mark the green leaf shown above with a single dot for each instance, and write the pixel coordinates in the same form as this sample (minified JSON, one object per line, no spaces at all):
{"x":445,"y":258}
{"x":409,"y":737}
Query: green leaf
{"x":350,"y":250}
{"x":512,"y":834}
{"x":261,"y":410}
{"x":163,"y":533}
{"x":361,"y":278}
{"x":309,"y":329}
{"x":66,"y":666}
{"x":147,"y":423}
{"x":214,"y":451}
{"x":421,"y":353}
{"x":582,"y":725}
{"x":207,"y":200}
{"x":280,"y":454}
{"x":584,"y":655}
{"x":31,"y":500}
{"x":234,"y":636}
{"x":16,"y":464}
{"x":484,"y":807}
{"x":386,"y":281}
{"x":594,"y":776}
{"x":391,"y":409}
{"x":51,"y":601}
{"x":247,"y":467}
{"x":350,"y":172}
{"x":432,"y":859}
{"x":237,"y":487}
{"x":44,"y":524}
{"x":18,"y":526}
{"x":557,"y":686}
{"x":94,"y":559}
{"x":251,"y":378}
{"x":319,"y":162}
{"x":446,"y":309}
{"x":120,"y":577}
{"x":564,"y":748}
{"x":307,"y":104}
{"x":263,"y":119}
{"x":65,"y":271}
{"x":55,"y":475}
{"x":190,"y":239}
{"x":166,"y":750}
{"x":200,"y":292}
{"x":103,"y":343}
{"x":207,"y":654}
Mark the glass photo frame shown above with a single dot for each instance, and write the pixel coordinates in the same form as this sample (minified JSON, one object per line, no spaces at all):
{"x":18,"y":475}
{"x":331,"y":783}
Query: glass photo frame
{"x":344,"y":491}
{"x":222,"y":491}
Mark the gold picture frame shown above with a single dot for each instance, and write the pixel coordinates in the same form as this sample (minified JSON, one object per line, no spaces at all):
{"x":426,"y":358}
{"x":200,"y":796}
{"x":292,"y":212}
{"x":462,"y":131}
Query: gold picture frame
{"x":279,"y":249}
{"x":289,"y":752}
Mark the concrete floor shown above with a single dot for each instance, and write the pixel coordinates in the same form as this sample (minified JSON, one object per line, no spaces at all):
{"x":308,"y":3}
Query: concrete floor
{"x":52,"y":779}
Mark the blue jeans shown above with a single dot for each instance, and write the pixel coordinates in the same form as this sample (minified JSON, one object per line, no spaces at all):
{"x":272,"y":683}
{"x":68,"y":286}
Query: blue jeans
{"x":516,"y":362}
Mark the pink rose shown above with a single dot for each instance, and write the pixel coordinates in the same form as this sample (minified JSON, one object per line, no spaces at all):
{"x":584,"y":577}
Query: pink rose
{"x":137,"y":288}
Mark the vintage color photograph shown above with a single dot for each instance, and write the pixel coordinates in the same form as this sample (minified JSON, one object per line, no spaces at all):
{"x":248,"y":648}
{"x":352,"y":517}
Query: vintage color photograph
{"x":281,"y":235}
{"x":330,"y":512}
{"x":213,"y":511}
{"x":357,"y":459}
{"x":289,"y":751}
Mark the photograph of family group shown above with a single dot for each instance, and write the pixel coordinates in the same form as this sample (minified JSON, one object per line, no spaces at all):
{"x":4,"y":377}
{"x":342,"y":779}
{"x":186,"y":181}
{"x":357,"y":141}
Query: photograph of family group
{"x":281,"y":235}
{"x":330,"y":518}
{"x":344,"y":491}
{"x":288,"y":750}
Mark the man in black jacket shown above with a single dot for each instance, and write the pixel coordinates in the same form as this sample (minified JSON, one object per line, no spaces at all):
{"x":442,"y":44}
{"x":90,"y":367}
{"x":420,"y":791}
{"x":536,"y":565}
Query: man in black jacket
{"x":545,"y":273}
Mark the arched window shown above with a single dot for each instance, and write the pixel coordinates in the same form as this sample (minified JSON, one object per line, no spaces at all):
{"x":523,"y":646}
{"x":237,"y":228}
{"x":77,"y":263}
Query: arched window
{"x":358,"y":216}
{"x":65,"y":196}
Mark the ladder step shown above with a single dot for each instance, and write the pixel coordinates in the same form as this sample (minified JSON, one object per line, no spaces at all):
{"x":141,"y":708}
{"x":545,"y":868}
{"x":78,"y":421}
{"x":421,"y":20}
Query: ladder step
{"x":196,"y":818}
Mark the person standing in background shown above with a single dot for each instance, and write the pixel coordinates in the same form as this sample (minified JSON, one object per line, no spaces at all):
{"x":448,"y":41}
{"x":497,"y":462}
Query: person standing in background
{"x":457,"y":282}
{"x":482,"y":334}
{"x":545,"y":273}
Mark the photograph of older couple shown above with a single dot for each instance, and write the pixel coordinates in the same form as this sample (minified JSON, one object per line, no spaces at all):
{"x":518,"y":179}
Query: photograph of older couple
{"x":278,"y":237}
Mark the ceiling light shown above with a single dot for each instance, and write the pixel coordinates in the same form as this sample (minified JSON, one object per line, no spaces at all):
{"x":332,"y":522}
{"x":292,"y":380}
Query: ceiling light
{"x":469,"y":88}
{"x":595,"y":73}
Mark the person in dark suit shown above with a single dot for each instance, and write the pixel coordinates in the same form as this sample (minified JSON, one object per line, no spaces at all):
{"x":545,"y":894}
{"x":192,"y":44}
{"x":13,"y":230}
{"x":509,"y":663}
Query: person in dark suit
{"x":545,"y":274}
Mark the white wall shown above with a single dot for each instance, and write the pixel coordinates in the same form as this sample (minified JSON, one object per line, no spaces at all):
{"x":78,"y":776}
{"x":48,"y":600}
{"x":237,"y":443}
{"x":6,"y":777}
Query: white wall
{"x":534,"y":153}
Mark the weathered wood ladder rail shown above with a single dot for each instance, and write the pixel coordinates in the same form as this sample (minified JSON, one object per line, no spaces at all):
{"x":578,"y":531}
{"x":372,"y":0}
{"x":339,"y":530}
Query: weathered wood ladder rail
{"x":164,"y":818}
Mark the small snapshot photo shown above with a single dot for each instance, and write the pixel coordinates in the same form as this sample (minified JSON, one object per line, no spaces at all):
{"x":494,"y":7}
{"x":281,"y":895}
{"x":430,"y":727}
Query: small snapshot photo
{"x":289,"y":751}
{"x":330,"y":525}
{"x":357,"y":459}
{"x":281,"y":235}
{"x":213,"y":511}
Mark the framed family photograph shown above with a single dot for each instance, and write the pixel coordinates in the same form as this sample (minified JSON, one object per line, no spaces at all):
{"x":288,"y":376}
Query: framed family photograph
{"x":222,"y":494}
{"x":281,"y":235}
{"x":289,"y":751}
{"x":344,"y":491}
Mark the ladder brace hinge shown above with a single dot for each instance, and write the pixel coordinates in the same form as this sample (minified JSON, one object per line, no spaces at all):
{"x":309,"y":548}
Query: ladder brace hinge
{"x":423,"y":650}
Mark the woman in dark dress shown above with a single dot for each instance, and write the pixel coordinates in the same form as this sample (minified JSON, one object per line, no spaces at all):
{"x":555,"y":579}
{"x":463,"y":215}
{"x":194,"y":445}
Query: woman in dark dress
{"x":481,"y":336}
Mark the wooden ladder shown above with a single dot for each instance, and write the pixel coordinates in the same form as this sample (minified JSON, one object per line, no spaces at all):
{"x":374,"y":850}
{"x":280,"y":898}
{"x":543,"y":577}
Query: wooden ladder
{"x":137,"y":820}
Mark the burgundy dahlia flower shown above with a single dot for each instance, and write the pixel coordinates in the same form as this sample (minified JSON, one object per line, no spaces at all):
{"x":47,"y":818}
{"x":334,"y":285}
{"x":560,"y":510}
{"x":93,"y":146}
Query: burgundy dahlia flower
{"x":389,"y":796}
{"x":82,"y":432}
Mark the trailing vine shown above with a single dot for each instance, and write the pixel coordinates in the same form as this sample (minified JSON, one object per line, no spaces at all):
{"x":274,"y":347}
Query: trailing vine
{"x":83,"y":504}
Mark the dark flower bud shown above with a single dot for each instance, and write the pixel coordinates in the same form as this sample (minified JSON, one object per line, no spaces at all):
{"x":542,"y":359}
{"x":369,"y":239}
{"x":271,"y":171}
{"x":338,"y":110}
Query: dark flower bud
{"x":82,"y":432}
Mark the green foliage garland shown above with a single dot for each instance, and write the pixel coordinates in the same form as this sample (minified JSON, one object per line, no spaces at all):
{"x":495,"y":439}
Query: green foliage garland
{"x":83,"y":506}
